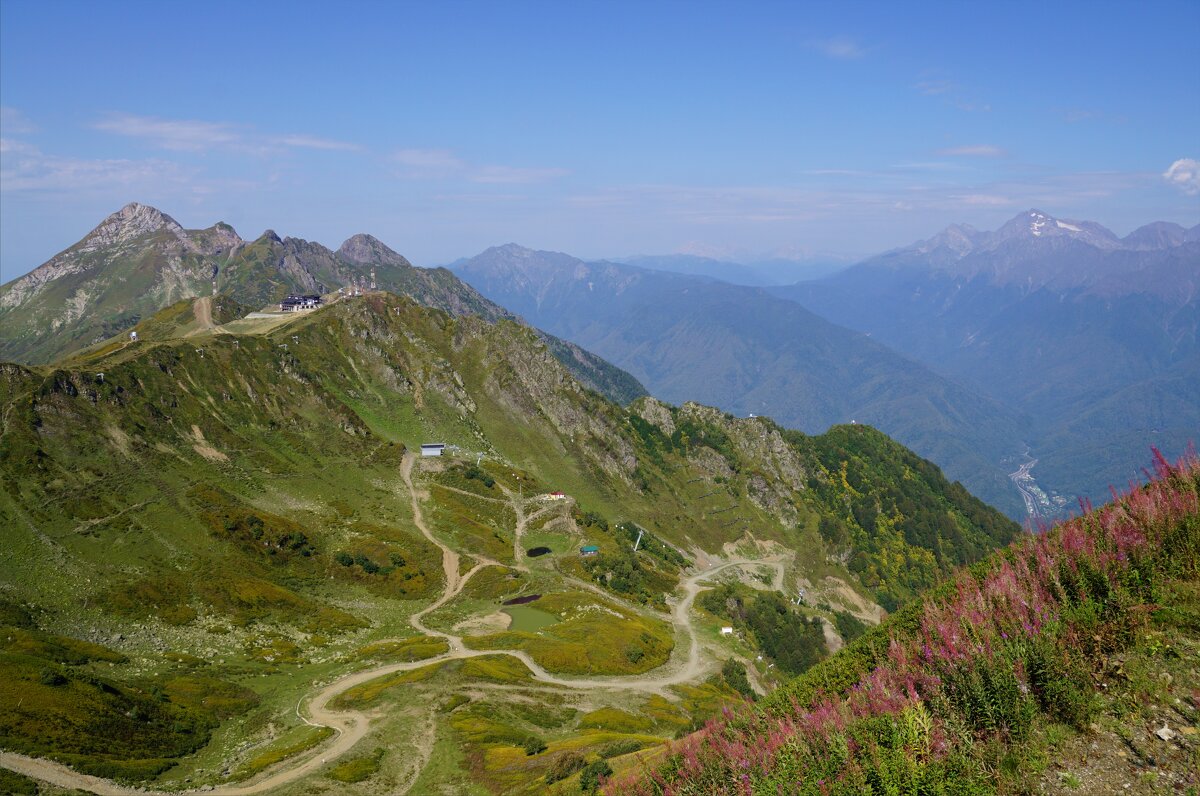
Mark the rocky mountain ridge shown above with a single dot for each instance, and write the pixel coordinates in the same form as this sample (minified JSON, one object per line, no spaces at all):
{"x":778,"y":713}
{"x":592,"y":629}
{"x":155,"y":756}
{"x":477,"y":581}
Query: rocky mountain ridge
{"x":747,"y":352}
{"x":1094,"y":338}
{"x":140,"y":260}
{"x":1035,"y":249}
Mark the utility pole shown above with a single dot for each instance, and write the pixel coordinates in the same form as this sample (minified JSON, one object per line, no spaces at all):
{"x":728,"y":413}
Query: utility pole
{"x":639,"y":540}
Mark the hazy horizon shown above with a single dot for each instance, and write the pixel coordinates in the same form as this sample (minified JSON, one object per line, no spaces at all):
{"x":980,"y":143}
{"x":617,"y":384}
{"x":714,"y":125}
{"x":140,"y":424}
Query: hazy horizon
{"x":602,"y":131}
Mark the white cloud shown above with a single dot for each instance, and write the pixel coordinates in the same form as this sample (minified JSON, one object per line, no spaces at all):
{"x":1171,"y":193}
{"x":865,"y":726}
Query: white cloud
{"x":514,"y":174}
{"x":984,"y":200}
{"x":842,"y":48}
{"x":14,"y":122}
{"x":1184,"y":174}
{"x":444,"y":164}
{"x":927,"y":165}
{"x":952,"y":94}
{"x":313,"y":142}
{"x":190,"y":135}
{"x":26,"y":168}
{"x":430,"y":159}
{"x":974,"y":150}
{"x":935,"y":87}
{"x":174,"y":134}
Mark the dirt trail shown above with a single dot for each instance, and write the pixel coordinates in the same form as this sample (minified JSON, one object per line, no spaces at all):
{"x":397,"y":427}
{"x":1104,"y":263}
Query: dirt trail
{"x":203,"y":310}
{"x":351,"y":726}
{"x":468,"y":493}
{"x":518,"y":504}
{"x":450,"y":559}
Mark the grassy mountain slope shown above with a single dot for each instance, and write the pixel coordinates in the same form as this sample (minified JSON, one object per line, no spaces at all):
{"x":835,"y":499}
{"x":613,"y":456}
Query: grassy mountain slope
{"x":1085,"y":638}
{"x":217,"y":521}
{"x":133,"y":264}
{"x":747,"y":352}
{"x":139,"y":261}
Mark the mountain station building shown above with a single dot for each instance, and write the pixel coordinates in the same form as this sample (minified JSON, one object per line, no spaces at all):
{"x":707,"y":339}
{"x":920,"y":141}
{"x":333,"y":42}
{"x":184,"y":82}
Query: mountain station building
{"x":297,"y":303}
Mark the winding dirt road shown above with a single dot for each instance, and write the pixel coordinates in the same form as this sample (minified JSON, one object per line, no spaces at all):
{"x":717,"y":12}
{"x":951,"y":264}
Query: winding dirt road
{"x":351,"y":726}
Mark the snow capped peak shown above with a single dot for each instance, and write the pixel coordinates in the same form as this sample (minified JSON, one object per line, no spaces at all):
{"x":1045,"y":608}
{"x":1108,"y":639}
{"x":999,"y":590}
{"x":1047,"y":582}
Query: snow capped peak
{"x":1065,"y":225}
{"x":1037,"y":223}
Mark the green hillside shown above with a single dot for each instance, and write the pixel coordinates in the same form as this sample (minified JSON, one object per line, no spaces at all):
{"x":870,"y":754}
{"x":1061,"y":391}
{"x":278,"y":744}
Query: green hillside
{"x":750,"y":353}
{"x":139,"y":261}
{"x":197,"y":530}
{"x":1067,"y":662}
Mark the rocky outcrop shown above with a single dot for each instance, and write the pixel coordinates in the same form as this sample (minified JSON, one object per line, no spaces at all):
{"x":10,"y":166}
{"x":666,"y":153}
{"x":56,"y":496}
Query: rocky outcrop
{"x":368,"y":250}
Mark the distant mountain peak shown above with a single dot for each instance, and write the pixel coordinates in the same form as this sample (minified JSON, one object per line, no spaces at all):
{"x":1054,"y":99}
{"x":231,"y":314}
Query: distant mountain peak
{"x":271,"y":236}
{"x":1156,"y":235}
{"x":366,"y":249}
{"x":513,"y":249}
{"x":1032,"y":222}
{"x":1037,"y":224}
{"x":1037,"y":250}
{"x":131,"y":221}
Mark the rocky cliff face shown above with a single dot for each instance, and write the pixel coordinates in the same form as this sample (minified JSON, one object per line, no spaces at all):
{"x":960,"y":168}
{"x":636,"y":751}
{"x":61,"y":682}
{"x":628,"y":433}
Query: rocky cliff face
{"x":368,"y":250}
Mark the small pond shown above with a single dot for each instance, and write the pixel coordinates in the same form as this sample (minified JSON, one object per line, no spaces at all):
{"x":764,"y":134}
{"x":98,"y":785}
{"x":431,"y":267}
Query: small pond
{"x":534,"y":552}
{"x":529,"y":619}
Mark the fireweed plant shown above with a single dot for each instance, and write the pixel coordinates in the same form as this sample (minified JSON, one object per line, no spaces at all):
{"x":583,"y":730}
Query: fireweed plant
{"x":932,"y":700}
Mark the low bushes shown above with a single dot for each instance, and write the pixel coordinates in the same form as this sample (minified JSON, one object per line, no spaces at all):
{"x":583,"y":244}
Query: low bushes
{"x":935,"y":698}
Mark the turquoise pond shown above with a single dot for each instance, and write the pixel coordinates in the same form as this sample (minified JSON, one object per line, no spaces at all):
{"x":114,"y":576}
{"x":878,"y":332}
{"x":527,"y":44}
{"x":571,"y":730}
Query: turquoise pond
{"x":529,"y":619}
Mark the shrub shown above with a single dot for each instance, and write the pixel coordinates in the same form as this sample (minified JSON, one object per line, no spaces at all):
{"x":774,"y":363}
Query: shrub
{"x":733,"y":672}
{"x":593,"y":776}
{"x":849,"y":626}
{"x":564,"y":766}
{"x":618,"y":748}
{"x":357,"y":769}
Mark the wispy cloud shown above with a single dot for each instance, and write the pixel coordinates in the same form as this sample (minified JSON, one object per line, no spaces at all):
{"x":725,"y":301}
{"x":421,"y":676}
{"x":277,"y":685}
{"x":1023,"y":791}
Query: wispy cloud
{"x":515,"y":174}
{"x":1184,"y":174}
{"x":191,"y":135}
{"x":436,"y":160}
{"x":952,"y":94}
{"x":313,"y":142}
{"x":927,"y":165}
{"x":27,"y":169}
{"x":894,"y":192}
{"x":934,"y":87}
{"x":443,"y":164}
{"x":974,"y":150}
{"x":838,"y":172}
{"x":179,"y":135}
{"x":841,"y":48}
{"x":14,"y":122}
{"x":983,"y":200}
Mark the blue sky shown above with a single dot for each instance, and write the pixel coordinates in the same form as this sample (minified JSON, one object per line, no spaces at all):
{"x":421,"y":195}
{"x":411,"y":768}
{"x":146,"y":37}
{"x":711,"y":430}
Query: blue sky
{"x":605,"y":129}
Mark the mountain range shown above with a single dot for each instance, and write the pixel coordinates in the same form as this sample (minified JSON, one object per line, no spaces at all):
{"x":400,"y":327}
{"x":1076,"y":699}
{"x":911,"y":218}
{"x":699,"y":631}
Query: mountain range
{"x":1092,"y":337}
{"x":1047,"y":339}
{"x":748,"y":352}
{"x":405,"y":542}
{"x":140,"y":260}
